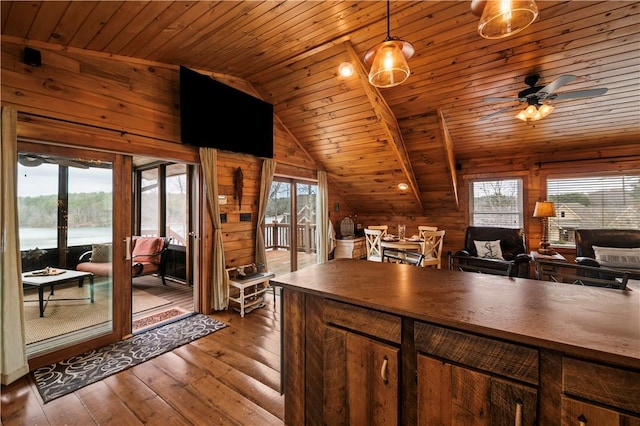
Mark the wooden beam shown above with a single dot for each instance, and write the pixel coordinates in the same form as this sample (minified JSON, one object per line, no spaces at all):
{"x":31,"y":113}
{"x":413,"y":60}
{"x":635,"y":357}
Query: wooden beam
{"x":388,"y":122}
{"x":451,"y":158}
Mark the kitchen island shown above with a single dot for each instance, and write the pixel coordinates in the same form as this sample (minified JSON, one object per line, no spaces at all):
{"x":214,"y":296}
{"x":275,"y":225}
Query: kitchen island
{"x":378,"y":343}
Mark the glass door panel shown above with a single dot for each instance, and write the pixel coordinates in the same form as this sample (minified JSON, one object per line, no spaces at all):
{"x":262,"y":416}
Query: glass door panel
{"x":290,"y":225}
{"x":65,"y":213}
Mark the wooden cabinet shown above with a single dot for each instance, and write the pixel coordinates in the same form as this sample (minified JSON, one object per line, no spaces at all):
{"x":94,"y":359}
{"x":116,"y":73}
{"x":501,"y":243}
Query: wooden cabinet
{"x":361,"y":380}
{"x":597,"y":394}
{"x":352,"y":248}
{"x":455,"y":394}
{"x":456,"y":349}
{"x":360,"y":372}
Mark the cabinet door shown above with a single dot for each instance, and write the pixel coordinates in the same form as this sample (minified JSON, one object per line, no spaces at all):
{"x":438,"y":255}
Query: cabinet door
{"x":360,"y":380}
{"x":452,"y":395}
{"x":578,"y":413}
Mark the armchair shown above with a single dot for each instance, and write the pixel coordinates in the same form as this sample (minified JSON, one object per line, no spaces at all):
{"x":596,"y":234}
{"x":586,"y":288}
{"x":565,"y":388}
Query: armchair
{"x":499,"y":251}
{"x":148,"y":256}
{"x":617,"y":249}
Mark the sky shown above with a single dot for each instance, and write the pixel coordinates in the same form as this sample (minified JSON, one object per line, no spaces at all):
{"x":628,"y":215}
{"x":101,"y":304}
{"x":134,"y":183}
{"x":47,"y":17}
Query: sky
{"x":43,"y":180}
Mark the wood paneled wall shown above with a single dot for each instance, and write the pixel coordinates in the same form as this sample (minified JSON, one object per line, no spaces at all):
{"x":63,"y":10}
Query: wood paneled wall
{"x":100,"y":102}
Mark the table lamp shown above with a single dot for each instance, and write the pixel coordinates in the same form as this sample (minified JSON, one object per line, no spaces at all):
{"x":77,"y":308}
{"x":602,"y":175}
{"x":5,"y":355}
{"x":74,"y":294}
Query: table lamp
{"x":544,"y":210}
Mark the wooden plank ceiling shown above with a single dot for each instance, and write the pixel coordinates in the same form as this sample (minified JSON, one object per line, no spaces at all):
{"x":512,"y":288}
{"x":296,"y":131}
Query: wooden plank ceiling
{"x":368,"y":139}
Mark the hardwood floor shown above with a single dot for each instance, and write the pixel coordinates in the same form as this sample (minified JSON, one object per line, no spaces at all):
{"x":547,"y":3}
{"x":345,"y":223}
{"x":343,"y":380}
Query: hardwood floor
{"x":230,"y":377}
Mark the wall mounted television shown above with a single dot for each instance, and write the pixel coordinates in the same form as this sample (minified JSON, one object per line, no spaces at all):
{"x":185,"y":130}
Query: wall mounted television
{"x":215,"y":115}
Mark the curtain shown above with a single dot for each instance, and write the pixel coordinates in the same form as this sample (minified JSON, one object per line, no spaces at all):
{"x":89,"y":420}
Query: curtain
{"x":13,"y":351}
{"x":322,"y":219}
{"x":219,"y":277}
{"x":268,"y":169}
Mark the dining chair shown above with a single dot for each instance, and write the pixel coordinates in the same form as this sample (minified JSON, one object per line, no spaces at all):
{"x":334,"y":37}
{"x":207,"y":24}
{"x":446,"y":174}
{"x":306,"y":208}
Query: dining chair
{"x":382,"y":228}
{"x":374,"y":249}
{"x":432,"y":248}
{"x":423,"y":228}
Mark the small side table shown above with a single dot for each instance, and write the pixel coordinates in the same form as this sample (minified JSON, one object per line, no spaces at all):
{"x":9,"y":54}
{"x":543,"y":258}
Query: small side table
{"x":249,"y":293}
{"x":539,"y":269}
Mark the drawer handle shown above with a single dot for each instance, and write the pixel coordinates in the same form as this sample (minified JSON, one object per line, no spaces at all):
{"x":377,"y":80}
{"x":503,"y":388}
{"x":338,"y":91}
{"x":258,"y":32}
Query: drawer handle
{"x":582,"y":420}
{"x":518,"y":413}
{"x":383,"y":370}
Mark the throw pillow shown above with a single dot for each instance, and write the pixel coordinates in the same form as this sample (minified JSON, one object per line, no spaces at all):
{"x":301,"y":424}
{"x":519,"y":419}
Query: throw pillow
{"x":147,"y":249}
{"x":101,"y":253}
{"x":618,"y":257}
{"x":489,"y":249}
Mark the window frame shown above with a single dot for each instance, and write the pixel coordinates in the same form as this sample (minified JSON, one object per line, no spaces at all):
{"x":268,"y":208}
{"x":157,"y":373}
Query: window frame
{"x":570,"y":242}
{"x":522,"y":217}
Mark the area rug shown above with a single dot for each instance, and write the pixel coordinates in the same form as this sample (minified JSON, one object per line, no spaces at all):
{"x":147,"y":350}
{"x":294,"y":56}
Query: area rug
{"x":61,"y":378}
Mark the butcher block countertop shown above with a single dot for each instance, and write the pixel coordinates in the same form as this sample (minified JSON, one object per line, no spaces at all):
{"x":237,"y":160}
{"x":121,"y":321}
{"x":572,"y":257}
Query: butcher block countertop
{"x":589,"y":322}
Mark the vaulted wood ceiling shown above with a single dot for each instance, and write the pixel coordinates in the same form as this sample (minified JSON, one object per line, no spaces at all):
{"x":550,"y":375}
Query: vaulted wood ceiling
{"x":368,"y":139}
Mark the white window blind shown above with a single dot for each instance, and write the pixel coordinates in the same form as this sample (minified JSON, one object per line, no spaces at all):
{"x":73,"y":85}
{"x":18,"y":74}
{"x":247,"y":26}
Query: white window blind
{"x":496,"y":203}
{"x":600,"y":202}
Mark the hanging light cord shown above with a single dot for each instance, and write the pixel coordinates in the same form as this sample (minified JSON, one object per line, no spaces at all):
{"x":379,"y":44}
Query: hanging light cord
{"x":388,"y":21}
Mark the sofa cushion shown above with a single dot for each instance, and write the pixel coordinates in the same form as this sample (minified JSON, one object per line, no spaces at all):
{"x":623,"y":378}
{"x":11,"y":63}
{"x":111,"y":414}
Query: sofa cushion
{"x":101,"y":253}
{"x":489,"y":249}
{"x":147,"y":249}
{"x":617,"y":257}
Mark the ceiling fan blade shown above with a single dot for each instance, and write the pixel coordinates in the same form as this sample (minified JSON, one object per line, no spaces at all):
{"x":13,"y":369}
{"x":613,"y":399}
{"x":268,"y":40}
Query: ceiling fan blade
{"x":579,"y":94}
{"x":502,"y":99}
{"x":555,"y":85}
{"x":500,"y":111}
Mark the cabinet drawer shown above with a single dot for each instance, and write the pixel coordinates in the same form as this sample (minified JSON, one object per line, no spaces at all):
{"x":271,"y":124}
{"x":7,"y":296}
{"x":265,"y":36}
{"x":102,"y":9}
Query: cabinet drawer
{"x":494,"y":356}
{"x":611,"y":386}
{"x":367,"y":321}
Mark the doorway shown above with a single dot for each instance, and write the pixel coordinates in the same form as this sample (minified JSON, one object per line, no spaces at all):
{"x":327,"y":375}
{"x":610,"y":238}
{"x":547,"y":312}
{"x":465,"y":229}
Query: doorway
{"x":290,"y":224}
{"x":162,"y":196}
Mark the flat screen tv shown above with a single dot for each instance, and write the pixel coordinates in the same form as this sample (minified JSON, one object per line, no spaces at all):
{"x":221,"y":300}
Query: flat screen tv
{"x":213,"y":114}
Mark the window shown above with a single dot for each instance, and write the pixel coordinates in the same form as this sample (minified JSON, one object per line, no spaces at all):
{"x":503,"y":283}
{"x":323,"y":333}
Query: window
{"x":496,"y":203}
{"x":593,"y":202}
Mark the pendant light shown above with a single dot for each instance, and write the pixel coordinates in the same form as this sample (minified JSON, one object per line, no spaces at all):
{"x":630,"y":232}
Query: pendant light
{"x":389,"y":60}
{"x":502,"y":18}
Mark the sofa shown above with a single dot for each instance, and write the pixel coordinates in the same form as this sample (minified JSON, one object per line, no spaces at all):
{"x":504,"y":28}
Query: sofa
{"x":617,"y":249}
{"x":148,"y":256}
{"x":493,"y":250}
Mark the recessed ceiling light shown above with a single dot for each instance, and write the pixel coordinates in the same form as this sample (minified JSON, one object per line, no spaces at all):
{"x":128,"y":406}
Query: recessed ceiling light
{"x":346,"y":69}
{"x":403,"y":186}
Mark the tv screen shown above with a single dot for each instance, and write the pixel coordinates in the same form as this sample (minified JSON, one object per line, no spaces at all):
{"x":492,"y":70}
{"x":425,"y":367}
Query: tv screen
{"x":215,"y":115}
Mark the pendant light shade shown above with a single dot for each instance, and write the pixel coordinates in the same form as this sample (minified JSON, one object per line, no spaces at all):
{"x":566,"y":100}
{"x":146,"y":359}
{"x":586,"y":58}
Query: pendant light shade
{"x":502,"y":18}
{"x":388,"y":60}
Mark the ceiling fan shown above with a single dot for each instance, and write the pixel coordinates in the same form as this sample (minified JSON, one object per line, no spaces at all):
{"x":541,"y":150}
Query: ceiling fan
{"x":534,"y":96}
{"x":34,"y":160}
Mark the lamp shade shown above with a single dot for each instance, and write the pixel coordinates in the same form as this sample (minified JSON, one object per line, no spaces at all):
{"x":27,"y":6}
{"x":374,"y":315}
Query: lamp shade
{"x":389,"y":65}
{"x":502,"y":18}
{"x":544,"y":209}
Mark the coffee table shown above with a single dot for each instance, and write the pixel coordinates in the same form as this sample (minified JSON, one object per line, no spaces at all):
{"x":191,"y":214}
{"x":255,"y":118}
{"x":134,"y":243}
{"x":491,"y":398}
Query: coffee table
{"x":41,"y":281}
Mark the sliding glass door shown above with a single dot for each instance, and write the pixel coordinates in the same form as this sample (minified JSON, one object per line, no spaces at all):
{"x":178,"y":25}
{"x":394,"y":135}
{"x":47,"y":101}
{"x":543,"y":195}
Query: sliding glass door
{"x":65,"y":210}
{"x":290,"y":225}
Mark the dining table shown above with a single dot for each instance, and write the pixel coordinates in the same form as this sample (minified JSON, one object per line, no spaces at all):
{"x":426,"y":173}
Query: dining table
{"x":398,"y":245}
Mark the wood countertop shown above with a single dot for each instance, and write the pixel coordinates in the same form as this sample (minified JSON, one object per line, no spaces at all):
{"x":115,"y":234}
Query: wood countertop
{"x":589,"y":322}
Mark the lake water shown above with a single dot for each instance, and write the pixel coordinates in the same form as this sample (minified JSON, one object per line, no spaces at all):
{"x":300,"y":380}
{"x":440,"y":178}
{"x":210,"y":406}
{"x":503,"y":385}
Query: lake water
{"x":47,"y":238}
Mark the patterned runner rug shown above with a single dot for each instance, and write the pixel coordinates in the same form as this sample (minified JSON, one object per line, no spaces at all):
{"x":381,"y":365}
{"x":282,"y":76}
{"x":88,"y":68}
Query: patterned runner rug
{"x":64,"y":377}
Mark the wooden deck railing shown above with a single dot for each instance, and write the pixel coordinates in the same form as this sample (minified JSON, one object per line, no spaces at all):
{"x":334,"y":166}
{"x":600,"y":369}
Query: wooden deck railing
{"x":277,"y":236}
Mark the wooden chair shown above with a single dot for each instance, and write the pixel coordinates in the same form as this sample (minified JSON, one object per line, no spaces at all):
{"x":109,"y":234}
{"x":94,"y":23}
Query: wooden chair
{"x":373,"y":238}
{"x":423,"y":228}
{"x":403,"y":256}
{"x":382,"y":228}
{"x":432,"y":247}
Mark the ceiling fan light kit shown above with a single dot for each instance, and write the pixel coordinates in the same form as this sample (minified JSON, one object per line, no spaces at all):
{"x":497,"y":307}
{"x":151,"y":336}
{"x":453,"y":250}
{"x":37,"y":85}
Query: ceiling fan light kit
{"x":502,"y":18}
{"x":388,"y":60}
{"x":535,"y":112}
{"x":537,"y":97}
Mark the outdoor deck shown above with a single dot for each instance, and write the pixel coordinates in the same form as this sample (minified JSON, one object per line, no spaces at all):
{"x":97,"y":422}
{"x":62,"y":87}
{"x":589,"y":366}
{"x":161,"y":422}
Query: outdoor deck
{"x":279,"y":261}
